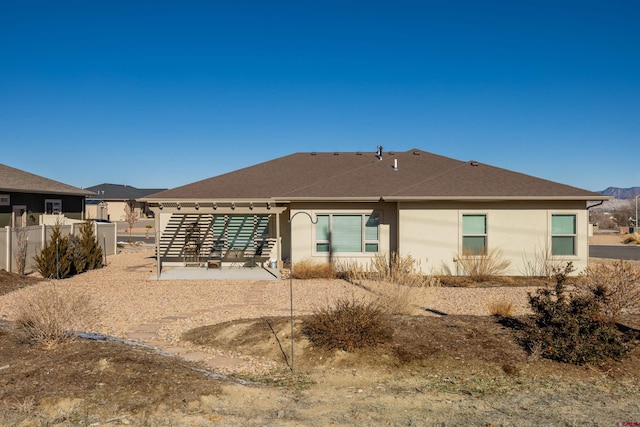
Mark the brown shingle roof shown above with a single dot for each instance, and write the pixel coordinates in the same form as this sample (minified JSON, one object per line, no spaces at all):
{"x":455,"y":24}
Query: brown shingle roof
{"x":359,"y":176}
{"x":17,"y":180}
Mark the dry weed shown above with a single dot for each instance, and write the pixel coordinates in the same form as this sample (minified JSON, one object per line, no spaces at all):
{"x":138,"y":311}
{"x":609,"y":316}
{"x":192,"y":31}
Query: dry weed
{"x":501,"y":308}
{"x":395,"y":281}
{"x":25,"y":406}
{"x":51,"y":315}
{"x":483,"y":267}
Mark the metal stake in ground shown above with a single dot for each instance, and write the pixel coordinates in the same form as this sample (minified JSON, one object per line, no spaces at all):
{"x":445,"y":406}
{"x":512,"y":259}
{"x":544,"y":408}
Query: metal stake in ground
{"x":291,"y":273}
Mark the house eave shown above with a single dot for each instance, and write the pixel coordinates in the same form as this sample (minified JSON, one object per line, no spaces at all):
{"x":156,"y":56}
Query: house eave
{"x":56,"y":192}
{"x":494,"y":198}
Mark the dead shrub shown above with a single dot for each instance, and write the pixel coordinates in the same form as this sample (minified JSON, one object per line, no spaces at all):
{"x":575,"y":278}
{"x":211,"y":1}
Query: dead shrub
{"x":619,"y":284}
{"x":633,"y":238}
{"x":483,"y":267}
{"x":50,"y":315}
{"x":541,"y":264}
{"x":309,"y":269}
{"x":349,"y":325}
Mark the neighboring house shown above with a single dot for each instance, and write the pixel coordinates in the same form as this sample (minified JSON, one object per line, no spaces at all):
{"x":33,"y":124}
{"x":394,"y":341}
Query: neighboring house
{"x":355,"y":205}
{"x":110,"y":201}
{"x":25,"y":198}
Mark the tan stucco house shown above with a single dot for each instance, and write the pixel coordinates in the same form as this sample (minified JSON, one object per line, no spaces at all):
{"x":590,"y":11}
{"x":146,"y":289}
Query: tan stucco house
{"x":354,"y":205}
{"x":111,"y":200}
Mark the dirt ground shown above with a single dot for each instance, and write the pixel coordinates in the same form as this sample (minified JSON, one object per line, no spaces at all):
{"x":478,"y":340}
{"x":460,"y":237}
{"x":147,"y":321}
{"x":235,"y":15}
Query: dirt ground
{"x":445,"y":371}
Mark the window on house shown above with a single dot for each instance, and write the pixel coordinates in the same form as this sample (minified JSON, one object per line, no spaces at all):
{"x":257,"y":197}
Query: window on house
{"x":474,"y":235}
{"x":347,"y":233}
{"x":563,"y":234}
{"x":53,"y":206}
{"x":5,"y":200}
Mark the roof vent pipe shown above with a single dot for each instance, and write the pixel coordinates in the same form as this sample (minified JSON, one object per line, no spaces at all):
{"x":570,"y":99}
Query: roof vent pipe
{"x":379,"y":154}
{"x":395,"y":164}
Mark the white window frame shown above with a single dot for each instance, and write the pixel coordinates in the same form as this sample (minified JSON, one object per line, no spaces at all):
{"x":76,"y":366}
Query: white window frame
{"x":364,"y":241}
{"x":574,"y":235}
{"x":53,"y":202}
{"x":485,"y":235}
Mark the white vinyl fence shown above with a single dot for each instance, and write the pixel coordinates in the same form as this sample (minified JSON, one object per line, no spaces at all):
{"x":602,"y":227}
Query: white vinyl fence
{"x":38,"y":236}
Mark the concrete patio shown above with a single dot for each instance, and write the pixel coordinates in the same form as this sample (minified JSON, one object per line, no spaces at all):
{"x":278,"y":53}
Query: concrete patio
{"x":226,"y":273}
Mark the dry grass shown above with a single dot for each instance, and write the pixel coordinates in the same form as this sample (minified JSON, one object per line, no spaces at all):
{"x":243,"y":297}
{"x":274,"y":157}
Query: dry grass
{"x":309,"y":269}
{"x":483,"y":267}
{"x":501,"y":308}
{"x":51,"y":315}
{"x":394,"y":281}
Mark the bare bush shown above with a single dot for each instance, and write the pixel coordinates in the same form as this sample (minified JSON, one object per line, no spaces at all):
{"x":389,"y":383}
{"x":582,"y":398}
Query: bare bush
{"x":130,"y":216}
{"x":633,"y":239}
{"x":541,"y":263}
{"x":51,"y":315}
{"x":483,"y":267}
{"x":619,"y":283}
{"x":348,"y":325}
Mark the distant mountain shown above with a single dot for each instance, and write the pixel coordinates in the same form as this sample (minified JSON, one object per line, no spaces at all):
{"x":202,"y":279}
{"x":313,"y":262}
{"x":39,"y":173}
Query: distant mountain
{"x":621,"y":193}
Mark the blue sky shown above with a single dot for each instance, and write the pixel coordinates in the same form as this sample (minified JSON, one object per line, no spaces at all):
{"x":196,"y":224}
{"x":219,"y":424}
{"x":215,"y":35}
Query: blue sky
{"x":157,"y":94}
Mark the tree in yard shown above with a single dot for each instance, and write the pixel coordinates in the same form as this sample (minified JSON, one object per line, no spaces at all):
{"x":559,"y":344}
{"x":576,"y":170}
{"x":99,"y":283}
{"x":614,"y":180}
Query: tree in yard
{"x":130,"y":216}
{"x":55,"y":260}
{"x":21,"y":248}
{"x":87,"y":250}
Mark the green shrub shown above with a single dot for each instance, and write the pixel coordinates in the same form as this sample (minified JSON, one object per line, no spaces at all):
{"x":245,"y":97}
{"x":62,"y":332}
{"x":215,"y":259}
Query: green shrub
{"x":348,"y":325}
{"x":571,"y":328}
{"x":55,"y":260}
{"x":87,"y":252}
{"x":65,"y":256}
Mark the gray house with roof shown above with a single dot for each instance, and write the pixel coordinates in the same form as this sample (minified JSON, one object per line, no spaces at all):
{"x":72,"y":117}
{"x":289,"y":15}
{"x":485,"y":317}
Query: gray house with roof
{"x":25,"y":198}
{"x":110,"y":201}
{"x":352,"y":206}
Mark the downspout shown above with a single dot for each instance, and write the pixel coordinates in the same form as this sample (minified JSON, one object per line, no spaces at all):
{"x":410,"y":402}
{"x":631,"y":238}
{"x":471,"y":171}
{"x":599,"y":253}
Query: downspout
{"x":597,"y":204}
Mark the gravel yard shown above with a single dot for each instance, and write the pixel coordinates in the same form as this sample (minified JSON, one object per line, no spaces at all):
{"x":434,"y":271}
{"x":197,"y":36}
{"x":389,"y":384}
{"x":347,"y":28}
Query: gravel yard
{"x":130,"y":300}
{"x":437,"y":370}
